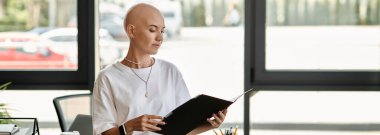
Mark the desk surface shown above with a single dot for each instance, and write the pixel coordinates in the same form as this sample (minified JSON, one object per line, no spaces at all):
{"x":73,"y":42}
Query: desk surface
{"x":23,"y":131}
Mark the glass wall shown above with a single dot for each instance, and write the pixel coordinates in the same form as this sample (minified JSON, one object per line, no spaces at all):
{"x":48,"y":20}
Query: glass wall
{"x":38,"y":35}
{"x":322,"y":35}
{"x":314,"y":113}
{"x":203,"y":38}
{"x":303,"y":37}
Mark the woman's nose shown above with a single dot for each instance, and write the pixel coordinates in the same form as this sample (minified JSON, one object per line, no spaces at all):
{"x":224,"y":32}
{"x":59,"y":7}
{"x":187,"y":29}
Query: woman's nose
{"x":160,"y":37}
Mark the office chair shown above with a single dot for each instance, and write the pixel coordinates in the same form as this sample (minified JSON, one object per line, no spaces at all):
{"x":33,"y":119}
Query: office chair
{"x":72,"y":109}
{"x":83,"y":124}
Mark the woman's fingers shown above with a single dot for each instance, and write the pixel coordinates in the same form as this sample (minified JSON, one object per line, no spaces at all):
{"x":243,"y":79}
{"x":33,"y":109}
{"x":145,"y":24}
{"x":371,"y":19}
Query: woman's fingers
{"x":150,"y":127}
{"x":222,"y":115}
{"x":154,"y":117}
{"x":213,"y":123}
{"x":152,"y":121}
{"x":156,"y":122}
{"x":148,"y":122}
{"x":225,"y":111}
{"x":216,"y":118}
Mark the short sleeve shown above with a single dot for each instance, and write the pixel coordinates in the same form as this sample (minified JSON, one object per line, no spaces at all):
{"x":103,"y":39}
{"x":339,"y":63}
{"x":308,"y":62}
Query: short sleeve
{"x":104,"y":112}
{"x":182,"y":93}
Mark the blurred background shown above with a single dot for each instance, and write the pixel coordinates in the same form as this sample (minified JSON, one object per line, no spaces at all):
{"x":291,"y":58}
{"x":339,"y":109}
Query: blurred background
{"x":205,"y":39}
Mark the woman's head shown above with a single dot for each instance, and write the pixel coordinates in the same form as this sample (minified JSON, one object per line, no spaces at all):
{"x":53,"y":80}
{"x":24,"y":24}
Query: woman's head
{"x":144,"y":25}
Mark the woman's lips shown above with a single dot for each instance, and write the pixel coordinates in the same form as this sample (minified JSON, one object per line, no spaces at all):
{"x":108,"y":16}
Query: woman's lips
{"x":156,"y":45}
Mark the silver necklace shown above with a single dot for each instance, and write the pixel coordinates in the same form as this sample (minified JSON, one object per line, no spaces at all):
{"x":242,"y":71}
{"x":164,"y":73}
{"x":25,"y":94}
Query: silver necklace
{"x":145,"y":81}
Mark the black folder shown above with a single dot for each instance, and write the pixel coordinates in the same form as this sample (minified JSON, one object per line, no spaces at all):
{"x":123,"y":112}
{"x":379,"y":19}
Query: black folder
{"x":193,"y":113}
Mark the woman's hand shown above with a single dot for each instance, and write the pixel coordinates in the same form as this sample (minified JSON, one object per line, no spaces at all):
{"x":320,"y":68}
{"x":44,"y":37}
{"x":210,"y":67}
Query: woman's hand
{"x":214,"y":123}
{"x":145,"y":123}
{"x":218,"y":118}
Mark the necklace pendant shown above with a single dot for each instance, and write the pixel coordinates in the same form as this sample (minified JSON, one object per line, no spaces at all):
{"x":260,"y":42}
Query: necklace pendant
{"x":146,"y":94}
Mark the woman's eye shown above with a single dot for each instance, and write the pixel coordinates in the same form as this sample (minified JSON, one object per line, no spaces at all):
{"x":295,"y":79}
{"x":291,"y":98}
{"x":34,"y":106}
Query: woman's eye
{"x":152,"y":30}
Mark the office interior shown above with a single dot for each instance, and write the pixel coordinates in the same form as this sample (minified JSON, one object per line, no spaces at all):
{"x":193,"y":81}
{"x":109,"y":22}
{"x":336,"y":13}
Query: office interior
{"x":315,"y":63}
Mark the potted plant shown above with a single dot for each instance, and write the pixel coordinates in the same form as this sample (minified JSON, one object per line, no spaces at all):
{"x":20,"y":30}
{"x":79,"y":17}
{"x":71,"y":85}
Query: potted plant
{"x":3,"y":108}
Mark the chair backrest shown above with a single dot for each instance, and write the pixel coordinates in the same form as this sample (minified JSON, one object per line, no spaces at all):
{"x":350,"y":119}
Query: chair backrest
{"x":83,"y":124}
{"x":69,"y":106}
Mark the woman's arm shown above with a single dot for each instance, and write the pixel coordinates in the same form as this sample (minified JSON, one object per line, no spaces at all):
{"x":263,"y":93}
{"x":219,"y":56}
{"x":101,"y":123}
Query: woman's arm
{"x":112,"y":131}
{"x":215,"y":123}
{"x":142,"y":123}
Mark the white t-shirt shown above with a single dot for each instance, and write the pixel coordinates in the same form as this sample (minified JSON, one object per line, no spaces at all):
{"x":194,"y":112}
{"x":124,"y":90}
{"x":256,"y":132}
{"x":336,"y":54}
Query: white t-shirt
{"x":119,"y":94}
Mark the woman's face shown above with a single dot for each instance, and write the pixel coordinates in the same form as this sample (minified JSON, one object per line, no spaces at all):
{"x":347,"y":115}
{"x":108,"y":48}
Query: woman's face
{"x":148,"y":34}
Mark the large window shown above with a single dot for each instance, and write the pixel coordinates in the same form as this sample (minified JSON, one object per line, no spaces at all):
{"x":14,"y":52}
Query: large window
{"x":39,"y":35}
{"x":314,"y":43}
{"x":203,"y":38}
{"x":46,"y":44}
{"x":307,"y":57}
{"x":328,"y":35}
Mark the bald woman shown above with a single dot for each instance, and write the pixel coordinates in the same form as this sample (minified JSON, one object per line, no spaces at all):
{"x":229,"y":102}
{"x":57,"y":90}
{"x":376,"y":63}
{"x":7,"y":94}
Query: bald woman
{"x":132,"y":95}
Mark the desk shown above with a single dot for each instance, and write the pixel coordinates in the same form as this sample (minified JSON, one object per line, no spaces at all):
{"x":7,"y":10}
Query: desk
{"x":23,"y":131}
{"x":28,"y":126}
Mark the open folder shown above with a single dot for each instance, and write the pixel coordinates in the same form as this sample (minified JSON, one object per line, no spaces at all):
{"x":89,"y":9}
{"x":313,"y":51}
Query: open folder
{"x":194,"y":112}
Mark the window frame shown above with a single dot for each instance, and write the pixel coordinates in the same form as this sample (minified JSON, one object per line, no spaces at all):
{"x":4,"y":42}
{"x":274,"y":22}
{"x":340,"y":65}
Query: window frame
{"x":256,"y":76}
{"x":81,"y":79}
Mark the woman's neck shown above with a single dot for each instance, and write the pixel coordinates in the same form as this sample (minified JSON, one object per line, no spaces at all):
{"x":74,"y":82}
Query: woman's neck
{"x":135,"y":61}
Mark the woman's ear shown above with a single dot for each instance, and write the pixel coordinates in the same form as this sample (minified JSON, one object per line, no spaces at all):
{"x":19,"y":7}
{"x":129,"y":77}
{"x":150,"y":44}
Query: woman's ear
{"x":131,"y":31}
